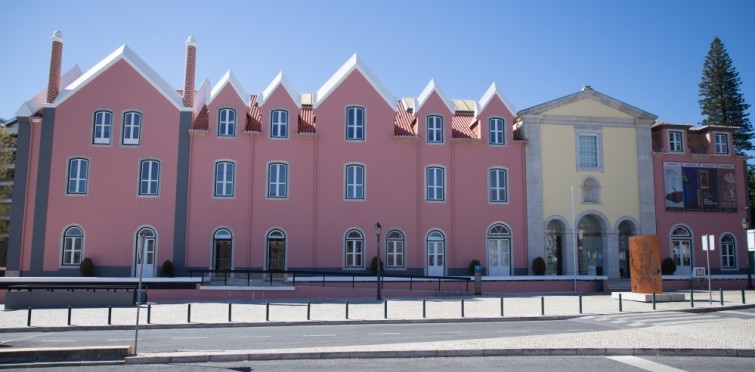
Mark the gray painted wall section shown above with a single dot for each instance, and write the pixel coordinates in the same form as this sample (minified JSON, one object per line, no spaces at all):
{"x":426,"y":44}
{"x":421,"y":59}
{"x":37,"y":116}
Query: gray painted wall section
{"x":534,"y":188}
{"x":18,"y":207}
{"x":43,"y":192}
{"x":646,"y":178}
{"x":182,"y":194}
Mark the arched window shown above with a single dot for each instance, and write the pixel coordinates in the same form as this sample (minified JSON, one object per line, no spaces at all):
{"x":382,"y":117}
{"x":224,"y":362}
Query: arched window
{"x":354,"y":249}
{"x":728,"y":252}
{"x":73,"y":246}
{"x":590,"y":190}
{"x":227,"y":122}
{"x":78,"y":176}
{"x":132,"y":128}
{"x":394,"y":249}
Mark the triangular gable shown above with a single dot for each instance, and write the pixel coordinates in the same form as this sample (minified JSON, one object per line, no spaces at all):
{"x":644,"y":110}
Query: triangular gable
{"x":354,"y":63}
{"x":588,"y":93}
{"x":279,"y":79}
{"x":427,"y":92}
{"x":494,"y":92}
{"x":126,"y":54}
{"x":33,"y":105}
{"x":228,"y":78}
{"x":202,"y":94}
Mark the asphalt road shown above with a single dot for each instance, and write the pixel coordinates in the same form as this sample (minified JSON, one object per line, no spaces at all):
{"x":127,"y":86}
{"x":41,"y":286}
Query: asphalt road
{"x":540,"y":363}
{"x":285,"y":337}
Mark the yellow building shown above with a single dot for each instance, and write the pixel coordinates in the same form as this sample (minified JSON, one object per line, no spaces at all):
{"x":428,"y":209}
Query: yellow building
{"x":585,"y":154}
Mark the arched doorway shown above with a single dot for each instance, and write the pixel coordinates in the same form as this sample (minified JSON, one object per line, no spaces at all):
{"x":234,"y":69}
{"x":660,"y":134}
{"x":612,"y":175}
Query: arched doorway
{"x":436,"y":253}
{"x":223,"y":247}
{"x":590,"y":246}
{"x":146,"y":251}
{"x":499,"y":250}
{"x":626,"y":229}
{"x":276,"y":252}
{"x":681,"y":250}
{"x":554,"y":237}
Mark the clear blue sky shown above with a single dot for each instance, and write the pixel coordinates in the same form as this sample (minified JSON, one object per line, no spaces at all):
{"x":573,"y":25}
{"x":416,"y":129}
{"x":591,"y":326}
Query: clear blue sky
{"x":646,"y":53}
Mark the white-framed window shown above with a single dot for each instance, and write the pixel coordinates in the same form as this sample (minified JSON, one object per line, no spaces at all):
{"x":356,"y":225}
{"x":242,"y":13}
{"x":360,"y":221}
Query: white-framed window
{"x":722,"y":143}
{"x":149,"y":177}
{"x":681,"y":249}
{"x":498,"y":181}
{"x":78,"y":176}
{"x":588,"y":151}
{"x":73,"y":246}
{"x":355,"y":123}
{"x":728,"y":252}
{"x":354,"y":243}
{"x":132,"y":128}
{"x":103,"y":124}
{"x":279,"y":124}
{"x":227,"y":122}
{"x":675,"y":141}
{"x":435,"y":181}
{"x":354,"y":181}
{"x":434,"y":129}
{"x":591,"y":190}
{"x":394,"y":249}
{"x":496,"y":131}
{"x":277,"y":180}
{"x":225,"y":173}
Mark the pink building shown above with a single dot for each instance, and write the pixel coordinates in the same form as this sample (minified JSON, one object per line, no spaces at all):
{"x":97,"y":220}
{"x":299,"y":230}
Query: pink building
{"x":700,"y":191}
{"x":218,"y":179}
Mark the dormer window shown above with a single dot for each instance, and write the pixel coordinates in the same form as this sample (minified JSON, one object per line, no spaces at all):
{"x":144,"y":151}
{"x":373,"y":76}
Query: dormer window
{"x":675,"y":141}
{"x":434,"y":129}
{"x":279,"y":124}
{"x":722,"y":143}
{"x":227,"y":123}
{"x":355,"y":123}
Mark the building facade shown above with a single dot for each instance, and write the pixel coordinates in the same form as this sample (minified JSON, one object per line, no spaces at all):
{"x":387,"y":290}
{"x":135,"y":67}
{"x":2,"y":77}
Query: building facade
{"x":114,"y":161}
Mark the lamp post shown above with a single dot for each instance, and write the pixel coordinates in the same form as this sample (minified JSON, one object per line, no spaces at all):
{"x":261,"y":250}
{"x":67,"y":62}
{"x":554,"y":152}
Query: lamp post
{"x":140,"y":262}
{"x":378,"y":229}
{"x":745,"y":226}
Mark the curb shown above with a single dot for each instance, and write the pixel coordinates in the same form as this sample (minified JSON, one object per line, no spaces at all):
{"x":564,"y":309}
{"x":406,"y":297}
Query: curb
{"x":166,"y":358}
{"x":55,"y":355}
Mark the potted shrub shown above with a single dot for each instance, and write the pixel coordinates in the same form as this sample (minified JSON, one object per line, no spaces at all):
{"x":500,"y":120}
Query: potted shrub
{"x":668,"y":267}
{"x":86,"y":267}
{"x":373,"y":265}
{"x":472,"y":266}
{"x":538,"y":266}
{"x":167,"y":269}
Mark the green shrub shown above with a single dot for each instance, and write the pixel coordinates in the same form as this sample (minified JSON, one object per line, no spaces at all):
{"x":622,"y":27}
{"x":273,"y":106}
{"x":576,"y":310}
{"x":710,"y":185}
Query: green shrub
{"x":668,"y":267}
{"x":167,"y":270}
{"x":538,"y":266}
{"x":472,"y":266}
{"x":373,"y":265}
{"x":86,"y":267}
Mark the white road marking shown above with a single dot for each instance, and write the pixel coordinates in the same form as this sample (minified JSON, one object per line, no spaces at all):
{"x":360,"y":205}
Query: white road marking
{"x":450,"y":332}
{"x":120,"y":339}
{"x":644,"y":364}
{"x":384,"y":334}
{"x":188,"y":338}
{"x":58,"y":340}
{"x":330,"y":335}
{"x":747,"y":313}
{"x":255,"y":336}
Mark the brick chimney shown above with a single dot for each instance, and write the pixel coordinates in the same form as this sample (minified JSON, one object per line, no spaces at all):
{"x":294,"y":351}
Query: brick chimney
{"x":191,"y":64}
{"x":56,"y":60}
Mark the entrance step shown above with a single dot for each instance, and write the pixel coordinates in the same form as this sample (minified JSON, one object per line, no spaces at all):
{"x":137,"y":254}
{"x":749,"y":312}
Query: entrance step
{"x":619,"y":285}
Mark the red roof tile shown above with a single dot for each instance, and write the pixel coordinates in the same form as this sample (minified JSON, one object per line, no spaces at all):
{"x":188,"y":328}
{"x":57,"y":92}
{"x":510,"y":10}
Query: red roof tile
{"x":464,"y":126}
{"x":202,"y":122}
{"x":405,"y":123}
{"x":253,"y":116}
{"x":307,"y":121}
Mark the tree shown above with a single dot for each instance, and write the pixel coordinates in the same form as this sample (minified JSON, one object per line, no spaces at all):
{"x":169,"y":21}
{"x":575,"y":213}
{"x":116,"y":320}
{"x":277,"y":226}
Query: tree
{"x":721,"y":103}
{"x":7,"y":160}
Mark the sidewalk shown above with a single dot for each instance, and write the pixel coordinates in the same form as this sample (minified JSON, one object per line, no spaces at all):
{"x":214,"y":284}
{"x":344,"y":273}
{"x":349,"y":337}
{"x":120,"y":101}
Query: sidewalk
{"x":720,"y":338}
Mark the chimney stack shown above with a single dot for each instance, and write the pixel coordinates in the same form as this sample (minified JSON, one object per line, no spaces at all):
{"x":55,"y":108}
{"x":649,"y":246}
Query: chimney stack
{"x":191,"y":64}
{"x":56,"y":60}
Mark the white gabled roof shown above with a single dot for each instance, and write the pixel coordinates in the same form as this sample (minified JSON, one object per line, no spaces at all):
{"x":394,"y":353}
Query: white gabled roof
{"x":279,"y":79}
{"x":354,"y":63}
{"x":33,"y":105}
{"x":229,"y":78}
{"x":202,"y":94}
{"x":429,"y":89}
{"x":126,"y":54}
{"x":490,"y":93}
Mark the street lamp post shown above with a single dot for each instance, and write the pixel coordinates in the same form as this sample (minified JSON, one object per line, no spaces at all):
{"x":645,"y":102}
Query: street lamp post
{"x":745,"y":226}
{"x":378,"y":229}
{"x":140,"y":262}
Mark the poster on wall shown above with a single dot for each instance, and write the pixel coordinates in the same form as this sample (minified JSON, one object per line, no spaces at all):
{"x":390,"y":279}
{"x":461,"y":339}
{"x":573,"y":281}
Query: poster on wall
{"x":727,"y":185}
{"x":709,"y":187}
{"x":691,"y":179}
{"x":674,"y":188}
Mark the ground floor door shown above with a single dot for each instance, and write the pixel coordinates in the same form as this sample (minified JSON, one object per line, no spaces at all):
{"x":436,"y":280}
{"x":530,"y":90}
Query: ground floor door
{"x":146,"y":254}
{"x":223,"y":254}
{"x":681,"y":252}
{"x":436,"y":254}
{"x":276,"y":253}
{"x":499,"y":257}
